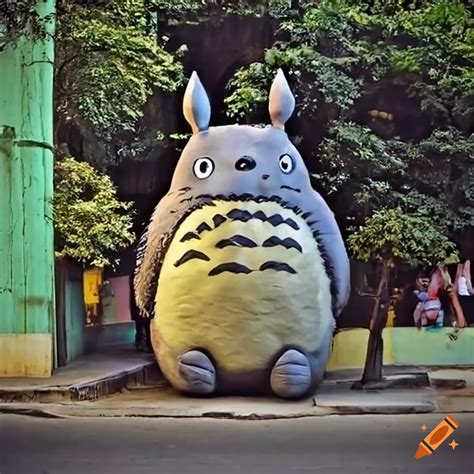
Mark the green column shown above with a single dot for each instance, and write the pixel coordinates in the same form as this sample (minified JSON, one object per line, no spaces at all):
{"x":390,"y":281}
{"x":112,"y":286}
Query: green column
{"x":26,"y":189}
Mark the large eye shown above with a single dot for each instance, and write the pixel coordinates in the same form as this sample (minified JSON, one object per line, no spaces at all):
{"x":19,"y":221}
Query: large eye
{"x":245,"y":164}
{"x":287,"y":163}
{"x":203,"y":168}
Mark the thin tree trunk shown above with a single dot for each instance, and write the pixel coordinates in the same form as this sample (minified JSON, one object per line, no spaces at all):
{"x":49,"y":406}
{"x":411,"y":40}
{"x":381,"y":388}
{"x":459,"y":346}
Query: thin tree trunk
{"x":374,"y":357}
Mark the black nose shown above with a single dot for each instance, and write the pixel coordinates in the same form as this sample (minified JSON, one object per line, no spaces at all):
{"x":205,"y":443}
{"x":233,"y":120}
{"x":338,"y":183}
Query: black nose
{"x":265,"y":176}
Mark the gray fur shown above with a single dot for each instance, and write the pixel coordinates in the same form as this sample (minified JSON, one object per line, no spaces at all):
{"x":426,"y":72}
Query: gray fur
{"x":265,"y":146}
{"x":277,"y":172}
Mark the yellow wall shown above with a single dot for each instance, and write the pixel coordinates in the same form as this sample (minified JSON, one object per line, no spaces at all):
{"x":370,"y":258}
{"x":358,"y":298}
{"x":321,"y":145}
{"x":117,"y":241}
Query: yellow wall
{"x":26,"y":355}
{"x":92,"y":283}
{"x":404,"y":346}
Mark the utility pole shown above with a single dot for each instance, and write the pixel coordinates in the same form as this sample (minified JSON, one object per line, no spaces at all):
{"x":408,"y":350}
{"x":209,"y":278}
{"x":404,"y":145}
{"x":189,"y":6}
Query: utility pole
{"x":27,"y":319}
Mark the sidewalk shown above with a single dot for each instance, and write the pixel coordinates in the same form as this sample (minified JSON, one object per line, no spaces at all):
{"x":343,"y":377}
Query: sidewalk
{"x":129,"y":384}
{"x":87,"y":378}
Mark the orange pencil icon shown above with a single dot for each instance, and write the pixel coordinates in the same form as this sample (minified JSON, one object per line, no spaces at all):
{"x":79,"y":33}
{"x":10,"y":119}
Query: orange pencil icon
{"x":437,"y":437}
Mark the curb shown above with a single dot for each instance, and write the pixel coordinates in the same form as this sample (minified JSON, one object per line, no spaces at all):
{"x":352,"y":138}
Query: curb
{"x":77,"y":411}
{"x":408,"y":393}
{"x":90,"y":390}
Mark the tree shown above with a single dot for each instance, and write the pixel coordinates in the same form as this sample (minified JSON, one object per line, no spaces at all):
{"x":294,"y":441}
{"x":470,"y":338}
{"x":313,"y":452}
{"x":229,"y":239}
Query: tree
{"x":109,"y":64}
{"x":90,"y":222}
{"x":385,"y":115}
{"x":391,"y":237}
{"x":385,"y":105}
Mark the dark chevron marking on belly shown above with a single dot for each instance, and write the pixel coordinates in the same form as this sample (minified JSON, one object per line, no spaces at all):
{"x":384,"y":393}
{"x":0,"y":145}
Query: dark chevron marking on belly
{"x":191,"y":255}
{"x":244,"y":216}
{"x":218,"y":219}
{"x":278,"y":266}
{"x":190,"y":236}
{"x":298,"y":190}
{"x":292,"y":223}
{"x":202,"y":227}
{"x":231,"y":267}
{"x":275,"y":220}
{"x":288,"y":243}
{"x":239,"y":215}
{"x":234,"y":267}
{"x":205,"y":200}
{"x":236,"y":241}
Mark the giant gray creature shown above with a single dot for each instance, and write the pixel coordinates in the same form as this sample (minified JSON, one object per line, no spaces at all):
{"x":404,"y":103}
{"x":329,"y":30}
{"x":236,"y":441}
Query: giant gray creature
{"x":242,"y":266}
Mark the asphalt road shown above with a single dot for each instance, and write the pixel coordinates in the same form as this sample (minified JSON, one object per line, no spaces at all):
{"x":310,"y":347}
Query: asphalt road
{"x":339,"y":444}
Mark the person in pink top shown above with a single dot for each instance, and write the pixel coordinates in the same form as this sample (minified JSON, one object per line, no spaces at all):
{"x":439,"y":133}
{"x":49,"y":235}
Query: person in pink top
{"x":436,"y":299}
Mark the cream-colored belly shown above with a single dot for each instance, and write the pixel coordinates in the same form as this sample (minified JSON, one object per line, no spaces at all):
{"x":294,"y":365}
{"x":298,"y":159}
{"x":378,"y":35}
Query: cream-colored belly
{"x":242,"y":319}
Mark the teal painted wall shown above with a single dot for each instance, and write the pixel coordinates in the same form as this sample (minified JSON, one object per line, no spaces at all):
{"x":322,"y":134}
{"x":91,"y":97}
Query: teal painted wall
{"x":75,"y":319}
{"x":106,"y":336}
{"x":26,"y":187}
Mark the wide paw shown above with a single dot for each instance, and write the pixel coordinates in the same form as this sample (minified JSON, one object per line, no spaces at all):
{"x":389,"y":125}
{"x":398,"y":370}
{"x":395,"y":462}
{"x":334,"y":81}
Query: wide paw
{"x":197,"y":373}
{"x":291,"y":375}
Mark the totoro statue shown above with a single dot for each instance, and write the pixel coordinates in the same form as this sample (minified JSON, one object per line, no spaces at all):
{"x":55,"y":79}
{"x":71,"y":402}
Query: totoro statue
{"x":242,"y":267}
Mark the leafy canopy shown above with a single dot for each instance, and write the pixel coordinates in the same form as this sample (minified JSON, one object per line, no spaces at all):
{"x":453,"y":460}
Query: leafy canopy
{"x":339,"y":54}
{"x":21,"y":17}
{"x":339,"y":42}
{"x":90,"y":222}
{"x":391,"y":236}
{"x":184,"y":10}
{"x":109,"y":64}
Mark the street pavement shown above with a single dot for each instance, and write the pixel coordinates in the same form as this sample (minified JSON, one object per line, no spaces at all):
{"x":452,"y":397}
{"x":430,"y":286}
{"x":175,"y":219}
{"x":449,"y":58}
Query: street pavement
{"x":363,"y":444}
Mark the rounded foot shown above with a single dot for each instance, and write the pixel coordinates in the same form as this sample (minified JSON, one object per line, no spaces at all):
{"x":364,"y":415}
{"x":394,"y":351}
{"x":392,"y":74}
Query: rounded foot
{"x":197,"y":372}
{"x":291,"y":375}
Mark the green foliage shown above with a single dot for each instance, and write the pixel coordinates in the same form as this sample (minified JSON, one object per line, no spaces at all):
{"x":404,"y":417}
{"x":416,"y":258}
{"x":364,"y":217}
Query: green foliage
{"x":337,"y":51}
{"x":416,"y":177}
{"x":349,"y":146}
{"x":341,"y":41}
{"x":185,"y":10}
{"x":90,"y":221}
{"x":392,"y":236}
{"x":250,"y":87}
{"x":178,"y":8}
{"x":20,"y":17}
{"x":317,"y":57}
{"x":279,"y":8}
{"x":108,"y":64}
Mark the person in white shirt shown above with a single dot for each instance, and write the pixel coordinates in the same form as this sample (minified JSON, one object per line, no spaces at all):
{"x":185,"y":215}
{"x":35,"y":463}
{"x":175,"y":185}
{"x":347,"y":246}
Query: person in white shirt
{"x":463,"y":279}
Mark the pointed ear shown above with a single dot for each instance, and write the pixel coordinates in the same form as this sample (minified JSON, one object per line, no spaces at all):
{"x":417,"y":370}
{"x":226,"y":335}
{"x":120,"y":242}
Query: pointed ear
{"x":196,"y":106}
{"x":281,"y":101}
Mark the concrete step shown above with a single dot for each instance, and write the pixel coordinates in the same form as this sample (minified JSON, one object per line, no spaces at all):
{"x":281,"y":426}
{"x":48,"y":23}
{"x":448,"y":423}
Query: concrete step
{"x":88,"y":378}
